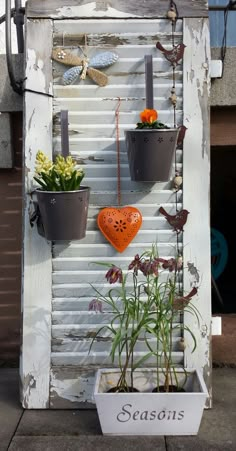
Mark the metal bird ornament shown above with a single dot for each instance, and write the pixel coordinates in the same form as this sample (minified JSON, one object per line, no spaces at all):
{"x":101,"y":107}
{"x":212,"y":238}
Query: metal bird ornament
{"x":83,"y":66}
{"x":176,"y":221}
{"x":181,"y":302}
{"x":181,"y":135}
{"x":174,"y":55}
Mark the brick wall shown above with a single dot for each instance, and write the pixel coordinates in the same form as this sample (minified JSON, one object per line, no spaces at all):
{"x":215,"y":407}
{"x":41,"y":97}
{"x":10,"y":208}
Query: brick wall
{"x":10,"y":249}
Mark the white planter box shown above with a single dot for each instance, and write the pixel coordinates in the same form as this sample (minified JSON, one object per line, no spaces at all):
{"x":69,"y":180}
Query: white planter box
{"x":147,"y":413}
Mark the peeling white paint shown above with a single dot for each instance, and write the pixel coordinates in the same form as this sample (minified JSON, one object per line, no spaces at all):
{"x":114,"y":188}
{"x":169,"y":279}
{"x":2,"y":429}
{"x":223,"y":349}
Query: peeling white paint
{"x":77,"y":389}
{"x":90,"y":10}
{"x":37,"y":68}
{"x":196,"y":166}
{"x":37,"y":267}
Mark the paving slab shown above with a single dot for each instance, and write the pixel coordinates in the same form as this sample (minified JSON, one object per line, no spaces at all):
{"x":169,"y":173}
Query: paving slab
{"x":197,"y":444}
{"x":10,"y":408}
{"x":70,"y":430}
{"x":219,"y":423}
{"x":218,"y":426}
{"x":59,"y":422}
{"x":87,"y":443}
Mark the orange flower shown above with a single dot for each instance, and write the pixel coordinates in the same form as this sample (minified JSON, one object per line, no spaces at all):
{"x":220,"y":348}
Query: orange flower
{"x":149,"y":116}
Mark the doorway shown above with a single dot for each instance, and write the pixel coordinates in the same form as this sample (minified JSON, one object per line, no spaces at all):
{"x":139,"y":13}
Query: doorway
{"x":223,"y":207}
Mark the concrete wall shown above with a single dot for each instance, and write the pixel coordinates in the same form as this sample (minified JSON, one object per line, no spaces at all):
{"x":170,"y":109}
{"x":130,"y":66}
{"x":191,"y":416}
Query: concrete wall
{"x":223,"y":90}
{"x":10,"y":100}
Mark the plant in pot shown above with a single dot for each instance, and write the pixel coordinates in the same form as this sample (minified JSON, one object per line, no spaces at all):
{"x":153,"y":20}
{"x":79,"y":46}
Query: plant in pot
{"x":151,"y":146}
{"x":157,"y":400}
{"x":62,"y":201}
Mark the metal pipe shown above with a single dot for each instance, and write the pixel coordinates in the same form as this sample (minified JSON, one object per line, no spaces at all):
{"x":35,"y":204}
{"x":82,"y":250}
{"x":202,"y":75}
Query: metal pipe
{"x":19,"y":22}
{"x":16,"y":86}
{"x":3,"y":17}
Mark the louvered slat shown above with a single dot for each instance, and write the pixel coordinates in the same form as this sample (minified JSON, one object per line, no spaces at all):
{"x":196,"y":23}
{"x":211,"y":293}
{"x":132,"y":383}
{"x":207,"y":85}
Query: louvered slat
{"x":92,"y":131}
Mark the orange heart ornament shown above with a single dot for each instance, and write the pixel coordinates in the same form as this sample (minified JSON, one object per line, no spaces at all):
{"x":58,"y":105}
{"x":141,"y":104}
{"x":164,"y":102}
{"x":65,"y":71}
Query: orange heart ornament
{"x":119,"y":225}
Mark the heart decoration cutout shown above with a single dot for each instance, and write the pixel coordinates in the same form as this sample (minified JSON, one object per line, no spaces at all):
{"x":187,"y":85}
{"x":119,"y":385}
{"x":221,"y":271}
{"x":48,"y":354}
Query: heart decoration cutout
{"x":119,"y":225}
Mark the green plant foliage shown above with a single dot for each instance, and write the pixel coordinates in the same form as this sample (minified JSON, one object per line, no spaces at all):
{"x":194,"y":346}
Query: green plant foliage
{"x":144,"y":308}
{"x":152,"y":125}
{"x":59,"y":176}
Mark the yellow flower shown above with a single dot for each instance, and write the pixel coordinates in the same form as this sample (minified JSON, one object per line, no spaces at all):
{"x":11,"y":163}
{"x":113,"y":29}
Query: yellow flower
{"x":62,"y":175}
{"x":43,"y":164}
{"x":64,"y":166}
{"x":80,"y":172}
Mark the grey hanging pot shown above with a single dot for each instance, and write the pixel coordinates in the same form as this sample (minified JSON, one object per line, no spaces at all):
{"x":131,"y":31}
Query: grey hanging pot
{"x":63,"y":214}
{"x":151,"y":153}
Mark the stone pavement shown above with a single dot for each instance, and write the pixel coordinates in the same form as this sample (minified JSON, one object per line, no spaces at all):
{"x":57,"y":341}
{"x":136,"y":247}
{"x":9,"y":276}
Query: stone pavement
{"x":79,"y":430}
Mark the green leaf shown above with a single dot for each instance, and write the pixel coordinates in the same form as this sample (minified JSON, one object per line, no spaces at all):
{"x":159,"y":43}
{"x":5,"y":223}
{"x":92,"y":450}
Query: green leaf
{"x":44,"y":186}
{"x":142,"y":360}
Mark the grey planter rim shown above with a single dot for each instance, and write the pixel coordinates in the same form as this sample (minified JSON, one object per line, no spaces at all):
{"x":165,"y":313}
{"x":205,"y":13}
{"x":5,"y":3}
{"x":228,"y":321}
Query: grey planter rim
{"x":82,"y":188}
{"x":152,"y":129}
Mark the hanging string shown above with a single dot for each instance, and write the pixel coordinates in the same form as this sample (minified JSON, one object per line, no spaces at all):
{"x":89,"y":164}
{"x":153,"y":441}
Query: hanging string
{"x":174,"y":101}
{"x":173,"y":13}
{"x":85,"y":44}
{"x":117,"y":117}
{"x":173,"y":91}
{"x":173,"y":98}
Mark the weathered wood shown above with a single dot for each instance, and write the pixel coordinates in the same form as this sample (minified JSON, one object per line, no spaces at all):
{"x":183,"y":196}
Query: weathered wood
{"x":196,"y":167}
{"x":74,"y":278}
{"x":106,"y":99}
{"x":82,"y":123}
{"x":85,"y":331}
{"x":112,"y":8}
{"x":129,"y":112}
{"x":90,"y":139}
{"x":147,"y":224}
{"x":105,"y":250}
{"x":103,"y":358}
{"x":124,"y":66}
{"x":159,"y":27}
{"x":100,"y":148}
{"x":85,"y":317}
{"x":117,"y":40}
{"x":36,"y":298}
{"x":80,"y":305}
{"x":68,"y":345}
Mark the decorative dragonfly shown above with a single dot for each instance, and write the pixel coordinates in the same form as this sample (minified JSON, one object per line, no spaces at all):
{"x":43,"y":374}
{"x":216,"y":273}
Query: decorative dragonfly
{"x":84,"y":66}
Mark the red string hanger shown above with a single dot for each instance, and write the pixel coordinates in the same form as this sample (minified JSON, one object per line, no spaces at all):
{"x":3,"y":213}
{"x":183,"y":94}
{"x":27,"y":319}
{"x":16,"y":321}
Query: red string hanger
{"x":119,"y":225}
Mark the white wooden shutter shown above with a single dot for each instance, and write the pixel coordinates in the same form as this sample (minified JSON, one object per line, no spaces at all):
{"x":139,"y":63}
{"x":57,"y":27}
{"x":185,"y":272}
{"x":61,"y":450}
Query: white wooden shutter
{"x":92,"y":131}
{"x":56,"y":370}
